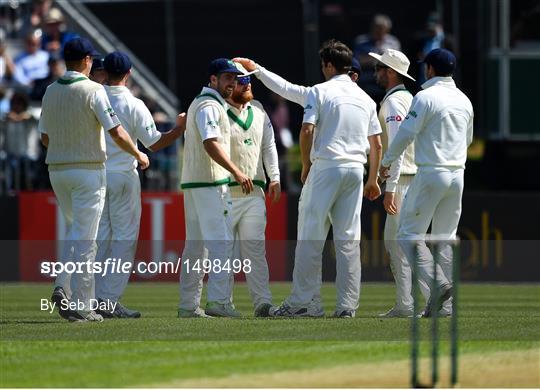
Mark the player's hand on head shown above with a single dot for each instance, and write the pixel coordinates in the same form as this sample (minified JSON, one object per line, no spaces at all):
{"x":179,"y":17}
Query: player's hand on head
{"x":247,"y":63}
{"x":181,"y":121}
{"x":389,"y":203}
{"x":143,"y":160}
{"x":274,"y":190}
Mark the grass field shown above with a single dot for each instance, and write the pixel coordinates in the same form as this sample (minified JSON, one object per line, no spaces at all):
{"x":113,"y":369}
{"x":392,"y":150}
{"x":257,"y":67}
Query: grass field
{"x":499,"y":342}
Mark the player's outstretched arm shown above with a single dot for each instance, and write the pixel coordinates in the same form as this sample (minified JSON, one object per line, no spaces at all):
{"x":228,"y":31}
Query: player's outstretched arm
{"x":216,"y":153}
{"x":172,"y":135}
{"x":277,"y":84}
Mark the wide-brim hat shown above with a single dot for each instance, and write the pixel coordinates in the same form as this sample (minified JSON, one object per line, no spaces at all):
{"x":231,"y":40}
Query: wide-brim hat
{"x":395,"y":60}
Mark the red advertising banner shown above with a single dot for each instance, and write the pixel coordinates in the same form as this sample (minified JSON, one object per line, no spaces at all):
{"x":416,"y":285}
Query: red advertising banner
{"x":41,"y":230}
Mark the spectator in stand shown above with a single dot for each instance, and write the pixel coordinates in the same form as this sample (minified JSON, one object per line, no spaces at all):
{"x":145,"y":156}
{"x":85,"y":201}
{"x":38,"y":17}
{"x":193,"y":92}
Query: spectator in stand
{"x":21,"y":144}
{"x":98,"y":72}
{"x":36,"y":18}
{"x":31,"y":64}
{"x":378,"y":40}
{"x":432,"y":37}
{"x":7,"y":67}
{"x":56,"y":70}
{"x":55,"y":34}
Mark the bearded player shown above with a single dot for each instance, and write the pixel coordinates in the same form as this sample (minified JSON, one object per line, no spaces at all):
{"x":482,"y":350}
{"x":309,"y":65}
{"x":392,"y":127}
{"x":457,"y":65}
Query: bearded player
{"x":253,"y":150}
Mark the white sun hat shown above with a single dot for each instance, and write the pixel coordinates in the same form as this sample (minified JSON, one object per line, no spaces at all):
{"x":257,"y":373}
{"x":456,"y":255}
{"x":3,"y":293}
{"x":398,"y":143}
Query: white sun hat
{"x":395,"y":60}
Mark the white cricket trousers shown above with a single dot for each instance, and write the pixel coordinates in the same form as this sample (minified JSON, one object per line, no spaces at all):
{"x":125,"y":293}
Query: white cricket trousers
{"x":330,"y":196}
{"x":208,"y":225}
{"x":398,"y":261}
{"x":80,"y":194}
{"x":249,"y":225}
{"x":433,"y":197}
{"x":118,"y":232}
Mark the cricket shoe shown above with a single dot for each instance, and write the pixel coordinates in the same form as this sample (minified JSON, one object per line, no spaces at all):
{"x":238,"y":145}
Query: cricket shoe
{"x":396,"y":313}
{"x":59,"y":298}
{"x":197,"y":313}
{"x":91,"y":316}
{"x":444,"y":295}
{"x":215,"y":309}
{"x":120,"y":311}
{"x":263,"y":310}
{"x":285,"y":310}
{"x":445,"y":313}
{"x":345,"y":314}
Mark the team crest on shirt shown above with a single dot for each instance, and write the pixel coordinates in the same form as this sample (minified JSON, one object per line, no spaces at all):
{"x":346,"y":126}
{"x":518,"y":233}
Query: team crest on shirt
{"x":110,"y":111}
{"x":212,"y":124}
{"x":411,"y":113}
{"x":248,"y":141}
{"x":150,"y":127}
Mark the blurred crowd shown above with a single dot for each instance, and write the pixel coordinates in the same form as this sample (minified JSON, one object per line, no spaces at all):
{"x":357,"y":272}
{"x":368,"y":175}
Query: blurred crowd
{"x":31,"y":43}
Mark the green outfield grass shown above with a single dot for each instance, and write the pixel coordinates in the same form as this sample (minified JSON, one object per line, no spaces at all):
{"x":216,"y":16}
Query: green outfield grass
{"x":499,"y":325}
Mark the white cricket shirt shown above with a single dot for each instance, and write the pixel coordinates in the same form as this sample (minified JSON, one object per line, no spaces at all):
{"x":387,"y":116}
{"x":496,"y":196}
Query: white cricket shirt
{"x":208,"y":117}
{"x":394,"y":108}
{"x":136,"y":120}
{"x":344,"y":116}
{"x":440,"y":122}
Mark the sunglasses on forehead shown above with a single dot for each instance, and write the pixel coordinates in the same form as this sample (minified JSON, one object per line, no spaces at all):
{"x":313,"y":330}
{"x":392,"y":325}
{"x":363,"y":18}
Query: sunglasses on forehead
{"x":244,"y":80}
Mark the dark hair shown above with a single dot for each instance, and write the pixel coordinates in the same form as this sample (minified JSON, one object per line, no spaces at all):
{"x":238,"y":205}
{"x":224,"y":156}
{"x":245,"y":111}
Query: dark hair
{"x":20,"y":98}
{"x":336,"y":53}
{"x":440,"y":73}
{"x":116,"y":77}
{"x":70,"y":65}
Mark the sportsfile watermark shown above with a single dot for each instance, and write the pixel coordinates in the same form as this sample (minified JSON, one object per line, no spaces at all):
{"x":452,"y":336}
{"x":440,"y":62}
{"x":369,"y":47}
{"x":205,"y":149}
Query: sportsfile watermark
{"x":118,"y":266}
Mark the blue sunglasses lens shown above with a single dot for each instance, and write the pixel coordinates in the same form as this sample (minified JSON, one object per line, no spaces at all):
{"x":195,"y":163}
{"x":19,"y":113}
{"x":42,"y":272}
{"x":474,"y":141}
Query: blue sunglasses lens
{"x":244,"y":80}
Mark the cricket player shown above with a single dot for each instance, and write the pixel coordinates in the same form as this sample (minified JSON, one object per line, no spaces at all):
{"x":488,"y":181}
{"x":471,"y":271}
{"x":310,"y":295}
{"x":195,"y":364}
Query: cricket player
{"x":297,"y":94}
{"x":390,"y":70}
{"x":206,"y":172}
{"x":75,"y":111}
{"x":333,"y":158}
{"x":253,"y":149}
{"x":98,"y":72}
{"x":440,"y":122}
{"x":119,"y":225}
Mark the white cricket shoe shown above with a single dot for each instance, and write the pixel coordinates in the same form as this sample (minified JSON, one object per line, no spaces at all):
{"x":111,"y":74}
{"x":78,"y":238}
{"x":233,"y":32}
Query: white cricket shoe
{"x":76,"y":316}
{"x":197,"y":313}
{"x":215,"y":309}
{"x":285,"y":310}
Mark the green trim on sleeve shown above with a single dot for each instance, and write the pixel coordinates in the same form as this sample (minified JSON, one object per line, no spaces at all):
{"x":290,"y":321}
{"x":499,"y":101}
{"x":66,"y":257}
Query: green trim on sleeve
{"x":259,"y":183}
{"x":71,"y":81}
{"x":207,"y":184}
{"x":244,"y":125}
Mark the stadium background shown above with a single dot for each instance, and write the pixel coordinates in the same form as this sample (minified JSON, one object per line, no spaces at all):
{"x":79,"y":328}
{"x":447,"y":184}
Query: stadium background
{"x":498,"y":46}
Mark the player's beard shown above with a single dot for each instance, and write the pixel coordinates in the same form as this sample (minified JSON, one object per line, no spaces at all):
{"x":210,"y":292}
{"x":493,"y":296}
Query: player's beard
{"x":242,"y":97}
